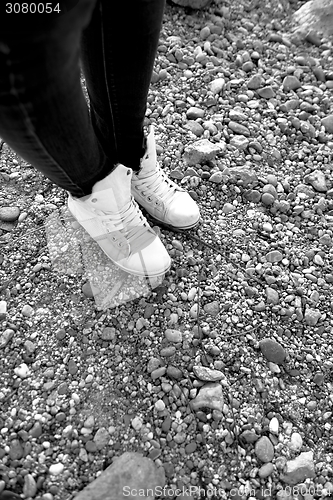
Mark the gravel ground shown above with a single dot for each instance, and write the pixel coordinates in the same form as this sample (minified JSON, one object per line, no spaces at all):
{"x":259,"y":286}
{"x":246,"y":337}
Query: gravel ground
{"x":223,"y":372}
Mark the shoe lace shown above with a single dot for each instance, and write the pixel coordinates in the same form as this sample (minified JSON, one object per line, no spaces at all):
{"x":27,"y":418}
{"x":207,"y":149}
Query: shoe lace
{"x":156,"y":184}
{"x":130,"y":223}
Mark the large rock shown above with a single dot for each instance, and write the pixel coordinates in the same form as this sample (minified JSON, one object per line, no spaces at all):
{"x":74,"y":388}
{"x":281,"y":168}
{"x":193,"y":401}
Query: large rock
{"x":130,"y":476}
{"x":210,"y":396}
{"x":202,"y":151}
{"x":296,"y":471}
{"x":315,"y":15}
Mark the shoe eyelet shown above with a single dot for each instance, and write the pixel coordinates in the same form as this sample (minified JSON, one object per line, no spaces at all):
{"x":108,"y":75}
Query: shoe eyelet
{"x":149,"y":198}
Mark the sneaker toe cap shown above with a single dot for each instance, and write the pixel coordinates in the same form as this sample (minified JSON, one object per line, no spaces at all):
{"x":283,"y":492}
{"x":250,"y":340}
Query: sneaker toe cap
{"x":184,"y":212}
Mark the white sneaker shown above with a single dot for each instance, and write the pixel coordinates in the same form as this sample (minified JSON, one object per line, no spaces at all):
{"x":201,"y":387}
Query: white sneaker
{"x":163,"y":199}
{"x":113,"y":219}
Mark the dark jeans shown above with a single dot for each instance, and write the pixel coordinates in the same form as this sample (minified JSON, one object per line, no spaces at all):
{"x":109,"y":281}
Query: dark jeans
{"x":43,"y":113}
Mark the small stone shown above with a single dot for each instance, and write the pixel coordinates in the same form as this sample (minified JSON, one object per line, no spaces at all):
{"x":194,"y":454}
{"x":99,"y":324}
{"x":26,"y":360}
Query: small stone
{"x":56,"y":469}
{"x":174,"y":372}
{"x":249,"y":436}
{"x":207,"y":374}
{"x":29,"y":346}
{"x":240,"y":142}
{"x":313,"y":38}
{"x":158,"y":372}
{"x":272,"y":350}
{"x":243,"y":174}
{"x":216,"y":178}
{"x":137,"y":423}
{"x":299,"y":469}
{"x":27,"y":311}
{"x":266,"y":92}
{"x":194,"y":127}
{"x":210,"y":396}
{"x":296,"y":442}
{"x":36,"y":431}
{"x":290,"y":82}
{"x":217,"y":85}
{"x":274,"y":256}
{"x":327,"y":122}
{"x":312,"y":316}
{"x":255,"y":82}
{"x":72,"y":367}
{"x":318,"y":379}
{"x":22,"y":371}
{"x":15,"y":450}
{"x":267,"y":199}
{"x":108,"y":334}
{"x":266,"y":470}
{"x":101,"y":438}
{"x":202,"y":151}
{"x":173,"y":335}
{"x":153,"y":364}
{"x":274,"y":426}
{"x":272,"y":295}
{"x":30,"y":486}
{"x":87,"y":290}
{"x":9,"y":214}
{"x":317,"y":180}
{"x":212,"y":308}
{"x":3,"y":310}
{"x":238,"y":128}
{"x":159,"y":405}
{"x":193,"y":113}
{"x":264,"y":449}
{"x":5,"y":337}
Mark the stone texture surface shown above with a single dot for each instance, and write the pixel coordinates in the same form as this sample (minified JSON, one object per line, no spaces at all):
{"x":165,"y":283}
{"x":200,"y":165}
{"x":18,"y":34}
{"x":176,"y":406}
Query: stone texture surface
{"x":299,"y":469}
{"x":315,"y":15}
{"x":129,"y":471}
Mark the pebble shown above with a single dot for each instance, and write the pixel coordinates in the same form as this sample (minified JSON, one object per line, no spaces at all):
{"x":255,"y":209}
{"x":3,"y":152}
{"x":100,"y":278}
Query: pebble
{"x":209,"y":396}
{"x":30,"y":486}
{"x":174,"y":372}
{"x":27,"y":311}
{"x":312,"y":316}
{"x":266,"y":470}
{"x":56,"y":469}
{"x":238,"y":128}
{"x":274,"y":426}
{"x":173,"y":335}
{"x":327,"y":122}
{"x":296,"y":442}
{"x":317,"y":180}
{"x":207,"y":374}
{"x":255,"y":82}
{"x":274,"y":256}
{"x":5,"y":337}
{"x":9,"y":214}
{"x":159,"y":405}
{"x":299,"y":469}
{"x":22,"y":371}
{"x":72,"y":367}
{"x":290,"y":82}
{"x":264,"y":449}
{"x":272,"y":350}
{"x":15,"y":450}
{"x":216,"y":178}
{"x":87,"y":290}
{"x":217,"y":85}
{"x":272,"y":295}
{"x":193,"y":113}
{"x":267,"y":199}
{"x":202,"y":151}
{"x":101,"y":438}
{"x":212,"y":308}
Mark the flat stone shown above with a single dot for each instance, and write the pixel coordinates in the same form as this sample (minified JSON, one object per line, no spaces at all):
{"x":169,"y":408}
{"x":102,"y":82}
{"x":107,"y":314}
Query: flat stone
{"x":9,"y":214}
{"x":194,"y":127}
{"x":173,"y":335}
{"x":240,"y":142}
{"x":299,"y":469}
{"x":15,"y":450}
{"x":30,"y":486}
{"x":264,"y":449}
{"x":153,"y":364}
{"x":312,"y":316}
{"x":130,"y":471}
{"x":327,"y":122}
{"x":272,"y":351}
{"x":212,"y":308}
{"x":255,"y":82}
{"x":266,"y":92}
{"x":274,"y":256}
{"x":317,"y":180}
{"x":244,"y":174}
{"x":207,"y":374}
{"x":202,"y":151}
{"x":291,"y":82}
{"x":210,"y":396}
{"x":216,"y":177}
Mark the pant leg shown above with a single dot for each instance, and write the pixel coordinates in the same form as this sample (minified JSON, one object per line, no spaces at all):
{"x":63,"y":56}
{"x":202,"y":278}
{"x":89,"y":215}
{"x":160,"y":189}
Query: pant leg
{"x":43,"y":113}
{"x":118,"y":51}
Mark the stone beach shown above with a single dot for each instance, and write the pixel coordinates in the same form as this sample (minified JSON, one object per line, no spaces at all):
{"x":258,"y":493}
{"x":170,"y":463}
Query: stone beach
{"x":219,"y":378}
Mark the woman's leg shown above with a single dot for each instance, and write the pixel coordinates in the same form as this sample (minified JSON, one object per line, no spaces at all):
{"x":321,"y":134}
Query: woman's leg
{"x":43,"y":113}
{"x":118,"y":50}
